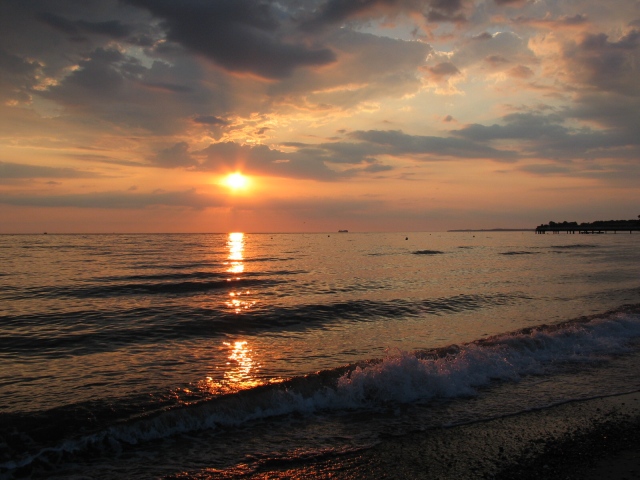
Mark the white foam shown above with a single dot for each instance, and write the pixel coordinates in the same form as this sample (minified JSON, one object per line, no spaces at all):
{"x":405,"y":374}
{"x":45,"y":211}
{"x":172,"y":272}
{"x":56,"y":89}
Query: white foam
{"x":406,"y":378}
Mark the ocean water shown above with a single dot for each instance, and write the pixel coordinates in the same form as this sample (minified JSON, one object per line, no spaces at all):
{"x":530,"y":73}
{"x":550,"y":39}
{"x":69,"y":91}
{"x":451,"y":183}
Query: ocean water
{"x":215,"y":355}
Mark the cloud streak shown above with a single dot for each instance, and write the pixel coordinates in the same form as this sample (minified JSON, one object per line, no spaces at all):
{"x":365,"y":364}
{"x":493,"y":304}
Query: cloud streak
{"x":13,"y":171}
{"x":116,"y":200}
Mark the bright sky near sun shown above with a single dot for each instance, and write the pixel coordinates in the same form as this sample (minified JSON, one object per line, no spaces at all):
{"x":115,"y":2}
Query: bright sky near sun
{"x":374,"y":115}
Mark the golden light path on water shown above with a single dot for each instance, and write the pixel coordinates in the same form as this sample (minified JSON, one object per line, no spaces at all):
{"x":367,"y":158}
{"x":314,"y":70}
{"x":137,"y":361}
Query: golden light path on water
{"x":240,"y":370}
{"x":241,"y":367}
{"x":235,"y":244}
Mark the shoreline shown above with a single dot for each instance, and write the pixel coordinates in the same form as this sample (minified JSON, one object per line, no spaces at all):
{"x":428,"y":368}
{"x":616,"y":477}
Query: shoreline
{"x":584,"y":439}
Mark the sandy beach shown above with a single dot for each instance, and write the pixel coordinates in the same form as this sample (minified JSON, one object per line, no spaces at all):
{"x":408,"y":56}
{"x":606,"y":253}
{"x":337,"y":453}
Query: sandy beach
{"x":590,"y":439}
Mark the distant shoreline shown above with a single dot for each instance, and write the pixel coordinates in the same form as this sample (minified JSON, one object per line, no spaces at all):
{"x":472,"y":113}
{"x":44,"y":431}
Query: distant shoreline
{"x":495,"y":230}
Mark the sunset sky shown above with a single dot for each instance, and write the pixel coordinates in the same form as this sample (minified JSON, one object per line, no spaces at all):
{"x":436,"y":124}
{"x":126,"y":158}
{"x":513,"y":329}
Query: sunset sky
{"x":367,"y":115}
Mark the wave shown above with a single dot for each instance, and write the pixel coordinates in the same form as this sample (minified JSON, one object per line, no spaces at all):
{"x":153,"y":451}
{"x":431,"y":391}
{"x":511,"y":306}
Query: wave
{"x":146,"y":288}
{"x":404,"y":377}
{"x":574,"y":246}
{"x":85,"y":331}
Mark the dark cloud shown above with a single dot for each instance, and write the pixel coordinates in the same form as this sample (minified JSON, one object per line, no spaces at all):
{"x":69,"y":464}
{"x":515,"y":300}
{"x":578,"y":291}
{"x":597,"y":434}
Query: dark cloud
{"x":121,"y":90}
{"x":98,"y":78}
{"x":614,"y":173}
{"x":610,"y":111}
{"x":545,"y":136}
{"x":521,"y":71}
{"x":395,"y":142}
{"x":553,"y":22}
{"x":446,"y":11}
{"x":547,"y":169}
{"x":111,"y":28}
{"x":309,"y":161}
{"x":349,"y":152}
{"x":16,"y":65}
{"x":105,"y":159}
{"x":335,"y":12}
{"x":240,"y":35}
{"x":176,"y":156}
{"x":260,"y":159}
{"x":168,"y":87}
{"x":368,"y":67}
{"x":496,"y":60}
{"x":497,"y":49}
{"x":577,"y":19}
{"x":482,"y":36}
{"x":607,"y":65}
{"x":210,"y":120}
{"x":443,"y":70}
{"x":601,"y":42}
{"x":518,"y":126}
{"x":18,"y":76}
{"x":14,"y":171}
{"x":377,"y":168}
{"x":116,"y":200}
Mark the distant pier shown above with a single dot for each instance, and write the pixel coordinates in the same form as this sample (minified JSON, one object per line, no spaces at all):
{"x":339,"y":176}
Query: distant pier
{"x":598,"y":227}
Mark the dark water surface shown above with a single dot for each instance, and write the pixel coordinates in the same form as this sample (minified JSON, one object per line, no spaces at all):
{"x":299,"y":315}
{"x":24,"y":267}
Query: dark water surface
{"x":141,"y":356}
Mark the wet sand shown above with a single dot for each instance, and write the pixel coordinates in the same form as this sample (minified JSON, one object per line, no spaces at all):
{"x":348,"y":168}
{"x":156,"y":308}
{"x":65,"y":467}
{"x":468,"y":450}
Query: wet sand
{"x":591,"y":439}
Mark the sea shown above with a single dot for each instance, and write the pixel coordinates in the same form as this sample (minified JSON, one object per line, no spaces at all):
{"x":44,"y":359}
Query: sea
{"x":219,"y":355}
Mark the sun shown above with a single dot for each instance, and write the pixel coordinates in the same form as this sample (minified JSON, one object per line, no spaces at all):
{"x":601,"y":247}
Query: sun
{"x":236,"y":181}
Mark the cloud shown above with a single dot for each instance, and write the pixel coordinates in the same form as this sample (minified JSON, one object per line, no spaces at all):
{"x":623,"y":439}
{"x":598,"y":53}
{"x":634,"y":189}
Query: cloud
{"x":327,"y":161}
{"x":16,"y":65}
{"x":547,"y":169}
{"x":397,"y":143}
{"x":499,"y":48}
{"x":176,"y":156}
{"x":313,"y":161}
{"x":99,"y":78}
{"x":621,"y":175}
{"x":117,"y":88}
{"x":604,"y":64}
{"x":19,"y":76}
{"x":608,"y":110}
{"x":168,"y":87}
{"x":522,"y":126}
{"x":261,"y":159}
{"x":367,"y":67}
{"x":521,"y":71}
{"x":446,"y":11}
{"x":111,"y":28}
{"x":443,"y":70}
{"x":333,"y":12}
{"x":209,"y":120}
{"x":239,"y":35}
{"x":545,"y":136}
{"x":117,"y":200}
{"x":13,"y":171}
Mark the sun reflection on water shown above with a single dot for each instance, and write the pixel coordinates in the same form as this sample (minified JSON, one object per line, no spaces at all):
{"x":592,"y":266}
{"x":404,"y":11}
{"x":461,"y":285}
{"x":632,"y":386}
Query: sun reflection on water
{"x":240,"y":370}
{"x":238,"y":304}
{"x":235,"y":244}
{"x":237,"y":299}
